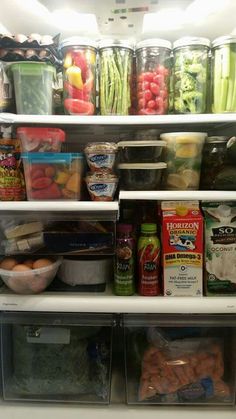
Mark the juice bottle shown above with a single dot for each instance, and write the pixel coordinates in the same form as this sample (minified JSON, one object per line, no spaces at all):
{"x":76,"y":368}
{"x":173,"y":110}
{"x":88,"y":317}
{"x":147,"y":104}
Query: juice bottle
{"x":149,"y":261}
{"x":124,"y":261}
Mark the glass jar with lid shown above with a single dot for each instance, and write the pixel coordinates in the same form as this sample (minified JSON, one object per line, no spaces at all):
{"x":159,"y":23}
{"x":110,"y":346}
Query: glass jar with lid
{"x":116,"y":69}
{"x":224,"y":76}
{"x":79,"y":75}
{"x":153,"y":57}
{"x":191,"y":73}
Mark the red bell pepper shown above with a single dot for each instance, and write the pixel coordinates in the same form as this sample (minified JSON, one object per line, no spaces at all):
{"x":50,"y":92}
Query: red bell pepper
{"x":77,"y":106}
{"x":80,"y":61}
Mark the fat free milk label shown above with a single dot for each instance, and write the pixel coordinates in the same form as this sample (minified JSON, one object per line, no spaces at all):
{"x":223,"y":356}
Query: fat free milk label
{"x":182,"y":251}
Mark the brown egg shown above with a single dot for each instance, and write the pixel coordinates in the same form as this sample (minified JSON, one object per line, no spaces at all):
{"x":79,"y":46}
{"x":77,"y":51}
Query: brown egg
{"x":8,"y":263}
{"x":29,"y":263}
{"x":42,"y":263}
{"x":21,"y":268}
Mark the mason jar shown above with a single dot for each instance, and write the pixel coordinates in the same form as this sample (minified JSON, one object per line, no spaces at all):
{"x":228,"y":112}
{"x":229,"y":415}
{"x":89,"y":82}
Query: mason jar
{"x":153,"y":76}
{"x":224,"y":76}
{"x":79,"y":76}
{"x":116,"y":70}
{"x":191,"y":75}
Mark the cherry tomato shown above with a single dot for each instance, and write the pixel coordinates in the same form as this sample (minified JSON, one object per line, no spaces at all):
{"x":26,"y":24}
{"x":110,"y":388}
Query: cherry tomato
{"x":160,"y":80}
{"x":163,"y":93}
{"x":142,"y":112}
{"x":155,"y":89}
{"x":148,"y":76}
{"x":147,"y":95}
{"x":151,"y":104}
{"x":141,"y":103}
{"x":161,"y":69}
{"x":140,"y":94}
{"x":160,"y":105}
{"x":148,"y":111}
{"x":140,"y":86}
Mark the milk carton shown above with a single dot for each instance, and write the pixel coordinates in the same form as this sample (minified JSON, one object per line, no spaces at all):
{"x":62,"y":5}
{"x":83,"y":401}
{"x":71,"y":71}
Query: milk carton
{"x":182,"y":247}
{"x":220,"y":248}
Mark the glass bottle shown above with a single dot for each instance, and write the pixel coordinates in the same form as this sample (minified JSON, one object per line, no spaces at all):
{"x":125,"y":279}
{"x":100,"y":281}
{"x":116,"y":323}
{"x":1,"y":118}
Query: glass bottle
{"x":124,"y":275}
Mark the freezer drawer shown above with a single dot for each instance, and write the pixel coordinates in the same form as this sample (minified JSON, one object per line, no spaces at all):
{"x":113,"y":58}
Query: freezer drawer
{"x":180,"y":360}
{"x":56,"y":357}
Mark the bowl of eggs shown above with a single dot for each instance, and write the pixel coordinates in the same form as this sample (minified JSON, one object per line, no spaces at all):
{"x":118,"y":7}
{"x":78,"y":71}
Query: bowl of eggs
{"x":28,"y":276}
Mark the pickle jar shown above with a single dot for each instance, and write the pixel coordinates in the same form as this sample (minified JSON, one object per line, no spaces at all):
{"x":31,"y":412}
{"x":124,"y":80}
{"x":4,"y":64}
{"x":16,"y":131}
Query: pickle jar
{"x":191,"y":75}
{"x":79,"y":76}
{"x":153,"y":60}
{"x":223,"y":74}
{"x":116,"y":71}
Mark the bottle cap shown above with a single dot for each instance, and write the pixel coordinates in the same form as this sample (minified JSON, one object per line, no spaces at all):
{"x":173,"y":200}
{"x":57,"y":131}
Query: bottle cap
{"x":124,"y":228}
{"x":224,"y":210}
{"x":181,"y":210}
{"x":148,"y":228}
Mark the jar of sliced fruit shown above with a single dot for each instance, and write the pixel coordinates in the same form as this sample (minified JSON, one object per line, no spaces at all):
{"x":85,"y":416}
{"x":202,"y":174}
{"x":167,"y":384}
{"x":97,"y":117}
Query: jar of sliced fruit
{"x":79,"y":76}
{"x":153,"y":76}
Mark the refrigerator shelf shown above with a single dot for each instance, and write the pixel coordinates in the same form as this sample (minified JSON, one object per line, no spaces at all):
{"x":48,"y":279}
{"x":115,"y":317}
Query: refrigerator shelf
{"x":179,"y":195}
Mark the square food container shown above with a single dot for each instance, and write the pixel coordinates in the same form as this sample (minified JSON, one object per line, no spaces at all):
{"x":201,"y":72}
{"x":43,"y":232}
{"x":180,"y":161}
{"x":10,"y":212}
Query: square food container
{"x":180,"y":360}
{"x":33,"y":85}
{"x":140,"y":151}
{"x":53,"y":176}
{"x":56,"y":357}
{"x":141,"y":176}
{"x":41,"y":139}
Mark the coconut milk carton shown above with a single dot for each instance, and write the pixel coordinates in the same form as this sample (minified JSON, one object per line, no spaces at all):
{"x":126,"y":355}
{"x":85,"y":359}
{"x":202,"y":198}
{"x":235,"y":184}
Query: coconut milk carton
{"x":182,"y":252}
{"x":220,"y":248}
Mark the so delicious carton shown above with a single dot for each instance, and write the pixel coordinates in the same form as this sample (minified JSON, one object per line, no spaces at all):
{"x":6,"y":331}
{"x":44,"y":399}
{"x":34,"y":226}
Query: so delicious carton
{"x":182,"y":252}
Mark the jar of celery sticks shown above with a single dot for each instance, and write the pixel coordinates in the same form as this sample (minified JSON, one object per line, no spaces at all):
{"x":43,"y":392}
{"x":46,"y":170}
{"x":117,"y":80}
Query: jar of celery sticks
{"x":116,"y":60}
{"x":224,"y":74}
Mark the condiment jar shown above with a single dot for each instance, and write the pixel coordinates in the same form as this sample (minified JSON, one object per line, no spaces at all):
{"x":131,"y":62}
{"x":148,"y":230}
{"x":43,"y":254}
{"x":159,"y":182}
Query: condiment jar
{"x":191,"y":72}
{"x":153,"y":70}
{"x":79,"y":75}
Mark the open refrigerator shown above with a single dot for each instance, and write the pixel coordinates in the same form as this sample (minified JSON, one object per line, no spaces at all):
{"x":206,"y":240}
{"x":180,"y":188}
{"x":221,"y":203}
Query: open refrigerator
{"x":91,"y":351}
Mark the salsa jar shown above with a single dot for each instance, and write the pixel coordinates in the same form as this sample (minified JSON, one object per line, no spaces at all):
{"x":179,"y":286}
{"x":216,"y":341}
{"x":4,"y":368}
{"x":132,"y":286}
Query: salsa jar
{"x":116,"y":71}
{"x":153,"y":59}
{"x":223,"y":72}
{"x":191,"y":75}
{"x":79,"y":76}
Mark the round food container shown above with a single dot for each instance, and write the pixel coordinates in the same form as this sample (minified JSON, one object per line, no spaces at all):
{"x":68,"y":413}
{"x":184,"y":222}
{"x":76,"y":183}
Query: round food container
{"x":141,"y":176}
{"x":79,"y":75}
{"x":183,"y":158}
{"x":153,"y":71}
{"x":191,"y":72}
{"x":32,"y":281}
{"x":86,"y":272}
{"x":101,"y":185}
{"x":140,"y":151}
{"x":101,"y":156}
{"x":41,"y":139}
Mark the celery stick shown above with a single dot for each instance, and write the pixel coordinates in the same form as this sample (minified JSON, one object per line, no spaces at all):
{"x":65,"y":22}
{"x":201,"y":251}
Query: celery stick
{"x":217,"y":81}
{"x":223,"y":94}
{"x":233,"y":102}
{"x":225,"y":53}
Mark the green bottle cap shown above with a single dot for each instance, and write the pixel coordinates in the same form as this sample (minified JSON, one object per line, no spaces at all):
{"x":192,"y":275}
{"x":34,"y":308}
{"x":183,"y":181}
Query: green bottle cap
{"x":148,"y":228}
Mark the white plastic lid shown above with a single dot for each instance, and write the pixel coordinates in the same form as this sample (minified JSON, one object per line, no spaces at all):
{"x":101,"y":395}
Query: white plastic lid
{"x":191,"y":40}
{"x":142,"y":144}
{"x":221,"y":40}
{"x":142,"y":166}
{"x":109,"y":43}
{"x":224,"y":210}
{"x":154,"y":42}
{"x":76,"y":41}
{"x":195,"y":136}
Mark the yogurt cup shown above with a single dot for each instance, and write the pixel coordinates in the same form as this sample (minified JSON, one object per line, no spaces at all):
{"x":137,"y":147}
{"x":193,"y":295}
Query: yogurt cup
{"x":101,"y":185}
{"x":101,"y":156}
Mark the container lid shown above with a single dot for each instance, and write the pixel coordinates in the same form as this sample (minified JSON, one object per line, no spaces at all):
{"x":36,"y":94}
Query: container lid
{"x":76,"y":41}
{"x":216,"y":139}
{"x":41,"y":134}
{"x":148,"y":228}
{"x":142,"y":166}
{"x":108,"y":43}
{"x":154,"y":42}
{"x":135,"y":143}
{"x":221,"y":40}
{"x":45,"y":158}
{"x":191,"y":40}
{"x":124,"y":228}
{"x":184,"y":136}
{"x":31,"y":67}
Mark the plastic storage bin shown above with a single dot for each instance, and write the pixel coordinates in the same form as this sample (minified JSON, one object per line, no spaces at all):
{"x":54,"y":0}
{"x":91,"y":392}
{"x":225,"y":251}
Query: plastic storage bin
{"x":140,"y":151}
{"x":153,"y":70}
{"x":33,"y":84}
{"x":183,"y":158}
{"x":41,"y":139}
{"x":53,"y":176}
{"x":79,"y":76}
{"x":180,"y":360}
{"x":56,"y":357}
{"x":191,"y":75}
{"x":141,"y":176}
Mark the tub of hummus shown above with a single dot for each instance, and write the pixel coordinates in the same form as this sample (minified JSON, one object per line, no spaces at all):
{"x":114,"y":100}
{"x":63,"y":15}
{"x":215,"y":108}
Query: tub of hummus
{"x":101,"y":156}
{"x":101,"y":185}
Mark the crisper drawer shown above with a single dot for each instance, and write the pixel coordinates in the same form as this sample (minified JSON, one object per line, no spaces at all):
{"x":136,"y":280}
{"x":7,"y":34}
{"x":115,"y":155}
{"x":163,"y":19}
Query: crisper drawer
{"x":56,"y":357}
{"x":180,"y":360}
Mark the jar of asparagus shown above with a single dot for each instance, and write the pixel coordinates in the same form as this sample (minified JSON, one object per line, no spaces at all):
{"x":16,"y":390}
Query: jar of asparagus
{"x":224,"y":74}
{"x":116,"y":59}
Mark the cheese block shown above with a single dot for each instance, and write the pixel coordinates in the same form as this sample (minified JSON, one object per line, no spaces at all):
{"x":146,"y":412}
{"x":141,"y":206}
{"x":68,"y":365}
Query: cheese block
{"x":23,"y":230}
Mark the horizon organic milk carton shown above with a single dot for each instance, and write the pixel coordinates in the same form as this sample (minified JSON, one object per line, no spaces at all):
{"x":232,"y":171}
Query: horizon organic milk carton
{"x":182,"y":248}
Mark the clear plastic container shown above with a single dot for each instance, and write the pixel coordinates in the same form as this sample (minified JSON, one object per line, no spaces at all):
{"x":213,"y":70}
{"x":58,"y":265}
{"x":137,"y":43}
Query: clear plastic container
{"x":183,"y":158}
{"x":79,"y":76}
{"x":141,"y":176}
{"x":33,"y":85}
{"x":41,"y":139}
{"x":153,"y":71}
{"x":116,"y":61}
{"x":32,"y":281}
{"x":53,"y":176}
{"x":191,"y":73}
{"x":223,"y":72}
{"x":140,"y":151}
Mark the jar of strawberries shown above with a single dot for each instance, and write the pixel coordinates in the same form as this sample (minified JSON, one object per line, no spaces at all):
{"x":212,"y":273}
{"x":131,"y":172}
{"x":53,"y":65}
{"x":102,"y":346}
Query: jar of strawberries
{"x":153,"y":63}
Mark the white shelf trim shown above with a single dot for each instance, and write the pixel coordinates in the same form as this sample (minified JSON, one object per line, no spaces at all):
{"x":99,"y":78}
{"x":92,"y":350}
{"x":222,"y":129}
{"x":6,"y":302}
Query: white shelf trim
{"x":179,"y":195}
{"x":85,"y":206}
